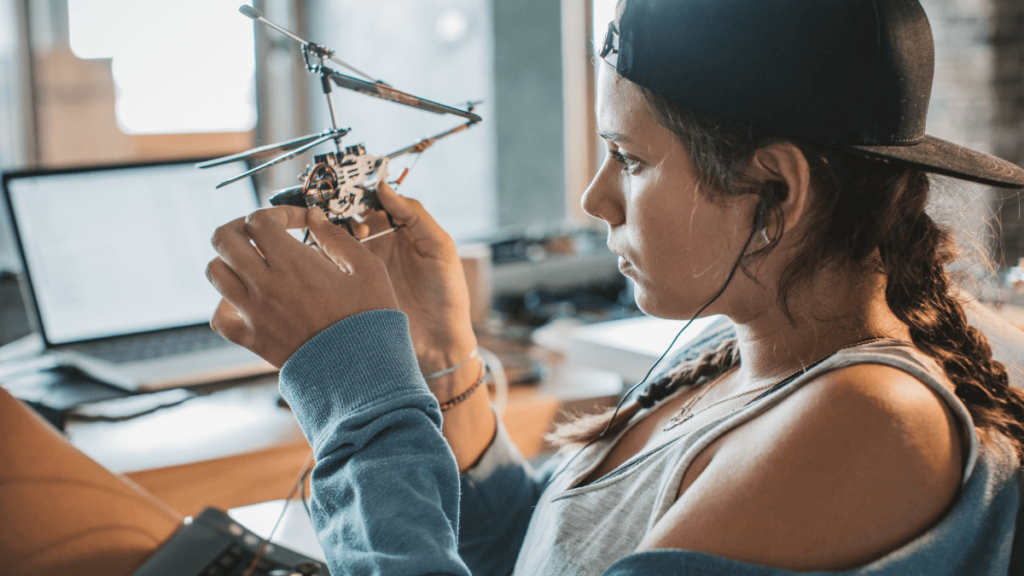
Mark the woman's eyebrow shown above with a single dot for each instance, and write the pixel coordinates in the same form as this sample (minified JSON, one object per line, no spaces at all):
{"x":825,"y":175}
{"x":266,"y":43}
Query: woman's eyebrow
{"x":614,"y":137}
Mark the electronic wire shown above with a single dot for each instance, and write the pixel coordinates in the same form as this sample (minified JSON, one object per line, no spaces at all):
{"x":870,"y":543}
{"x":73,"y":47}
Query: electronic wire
{"x":757,"y":222}
{"x":409,"y":165}
{"x":300,"y":481}
{"x":302,"y":491}
{"x":307,"y":467}
{"x":721,"y":291}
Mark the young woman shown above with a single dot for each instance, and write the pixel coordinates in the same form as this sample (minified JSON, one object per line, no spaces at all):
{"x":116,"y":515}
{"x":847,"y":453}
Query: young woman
{"x":766,"y":162}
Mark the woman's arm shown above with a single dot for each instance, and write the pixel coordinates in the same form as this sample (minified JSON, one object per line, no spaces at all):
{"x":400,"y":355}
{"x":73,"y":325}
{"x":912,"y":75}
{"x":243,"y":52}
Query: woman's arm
{"x":847,"y":469}
{"x":385,"y":489}
{"x":375,"y":431}
{"x":427,"y":277}
{"x":387,"y":483}
{"x":384,"y":473}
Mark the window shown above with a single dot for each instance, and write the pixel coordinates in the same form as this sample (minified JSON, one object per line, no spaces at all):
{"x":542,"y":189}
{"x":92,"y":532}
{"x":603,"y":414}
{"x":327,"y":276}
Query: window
{"x":14,"y":122}
{"x":604,"y":12}
{"x":436,"y":49}
{"x":12,"y":88}
{"x":179,"y":67}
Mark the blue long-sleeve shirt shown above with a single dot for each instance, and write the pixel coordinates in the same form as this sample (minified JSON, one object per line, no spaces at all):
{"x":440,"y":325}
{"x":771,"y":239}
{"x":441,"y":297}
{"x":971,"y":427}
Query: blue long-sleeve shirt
{"x":386,"y":492}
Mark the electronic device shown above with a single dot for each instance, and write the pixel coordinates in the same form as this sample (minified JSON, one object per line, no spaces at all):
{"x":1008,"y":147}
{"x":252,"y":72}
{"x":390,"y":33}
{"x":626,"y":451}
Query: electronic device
{"x":114,"y":258}
{"x":212,"y":544}
{"x":342,"y":182}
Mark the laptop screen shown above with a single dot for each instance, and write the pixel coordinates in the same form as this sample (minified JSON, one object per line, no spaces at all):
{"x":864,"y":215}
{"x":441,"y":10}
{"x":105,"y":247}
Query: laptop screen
{"x":117,"y":251}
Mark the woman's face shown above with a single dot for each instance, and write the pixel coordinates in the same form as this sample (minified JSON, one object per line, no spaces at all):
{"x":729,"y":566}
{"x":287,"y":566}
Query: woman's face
{"x":676,"y":245}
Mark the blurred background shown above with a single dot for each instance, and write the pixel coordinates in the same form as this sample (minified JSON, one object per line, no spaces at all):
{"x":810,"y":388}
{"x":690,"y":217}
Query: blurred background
{"x":110,"y":81}
{"x":89,"y":82}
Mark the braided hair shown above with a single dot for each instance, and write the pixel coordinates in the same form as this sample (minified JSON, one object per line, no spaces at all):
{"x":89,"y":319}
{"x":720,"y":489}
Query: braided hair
{"x":867,"y":211}
{"x":710,"y":363}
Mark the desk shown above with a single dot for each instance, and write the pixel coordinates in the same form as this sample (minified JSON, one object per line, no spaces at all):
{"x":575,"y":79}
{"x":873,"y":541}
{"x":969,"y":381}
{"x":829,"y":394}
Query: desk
{"x":235,"y":446}
{"x":229,"y":448}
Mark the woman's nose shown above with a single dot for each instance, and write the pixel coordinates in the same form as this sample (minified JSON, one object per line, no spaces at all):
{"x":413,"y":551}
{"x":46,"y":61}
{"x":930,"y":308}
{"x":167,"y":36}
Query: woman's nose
{"x":602,"y":199}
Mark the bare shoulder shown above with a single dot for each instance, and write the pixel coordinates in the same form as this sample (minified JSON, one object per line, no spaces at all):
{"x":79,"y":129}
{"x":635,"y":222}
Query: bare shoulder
{"x":845,"y":470}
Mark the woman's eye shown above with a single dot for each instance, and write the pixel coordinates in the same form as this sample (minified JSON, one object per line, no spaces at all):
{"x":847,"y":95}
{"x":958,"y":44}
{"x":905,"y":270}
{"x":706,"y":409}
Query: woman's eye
{"x":629,"y":166}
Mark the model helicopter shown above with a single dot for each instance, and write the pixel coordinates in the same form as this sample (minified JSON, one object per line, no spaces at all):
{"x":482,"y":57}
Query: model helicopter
{"x":342,"y":182}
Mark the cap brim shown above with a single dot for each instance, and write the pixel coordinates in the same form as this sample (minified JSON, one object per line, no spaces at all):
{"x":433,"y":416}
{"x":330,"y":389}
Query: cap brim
{"x":942,"y":157}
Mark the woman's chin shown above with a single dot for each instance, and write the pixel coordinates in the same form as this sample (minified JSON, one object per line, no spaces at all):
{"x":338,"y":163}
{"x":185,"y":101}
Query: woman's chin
{"x":663,"y":307}
{"x":647,"y":302}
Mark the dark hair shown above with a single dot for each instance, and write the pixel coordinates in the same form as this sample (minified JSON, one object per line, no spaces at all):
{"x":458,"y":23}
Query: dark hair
{"x":866,"y":211}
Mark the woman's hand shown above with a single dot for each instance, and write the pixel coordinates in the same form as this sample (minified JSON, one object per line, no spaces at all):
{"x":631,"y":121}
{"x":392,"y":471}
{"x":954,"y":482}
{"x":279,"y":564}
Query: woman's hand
{"x":278,"y":292}
{"x":428,"y":280}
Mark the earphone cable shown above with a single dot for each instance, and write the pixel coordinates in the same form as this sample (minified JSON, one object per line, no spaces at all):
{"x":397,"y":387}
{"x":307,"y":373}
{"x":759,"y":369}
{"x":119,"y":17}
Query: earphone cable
{"x":721,"y":291}
{"x":758,"y":221}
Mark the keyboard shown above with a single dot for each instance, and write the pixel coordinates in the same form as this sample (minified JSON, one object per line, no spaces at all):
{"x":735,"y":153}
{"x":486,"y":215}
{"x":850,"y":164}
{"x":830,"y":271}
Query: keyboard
{"x":152,"y":345}
{"x":213,"y":544}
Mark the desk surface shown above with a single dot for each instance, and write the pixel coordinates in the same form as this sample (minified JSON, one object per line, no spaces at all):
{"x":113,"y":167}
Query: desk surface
{"x":236,"y":446}
{"x":238,"y":420}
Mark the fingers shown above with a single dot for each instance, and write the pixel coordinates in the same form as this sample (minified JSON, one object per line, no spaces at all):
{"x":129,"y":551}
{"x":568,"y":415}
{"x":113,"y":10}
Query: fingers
{"x":278,"y":217}
{"x":404,"y":210}
{"x":361,"y":229}
{"x":335,"y":241}
{"x":410,"y":213}
{"x":226,"y":281}
{"x":268,"y":228}
{"x":249,"y":246}
{"x":227,"y":322}
{"x":232,"y":243}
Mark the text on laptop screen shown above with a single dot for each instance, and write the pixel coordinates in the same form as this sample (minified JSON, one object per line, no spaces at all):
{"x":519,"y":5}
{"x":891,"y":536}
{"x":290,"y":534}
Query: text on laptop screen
{"x":120,"y":251}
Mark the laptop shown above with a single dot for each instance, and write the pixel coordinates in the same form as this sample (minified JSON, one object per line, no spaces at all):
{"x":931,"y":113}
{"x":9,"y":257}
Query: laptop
{"x":213,"y":544}
{"x":115,"y":260}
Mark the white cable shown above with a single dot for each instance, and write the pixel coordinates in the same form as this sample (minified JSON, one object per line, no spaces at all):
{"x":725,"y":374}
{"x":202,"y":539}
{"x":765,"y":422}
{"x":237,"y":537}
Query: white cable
{"x":500,"y":379}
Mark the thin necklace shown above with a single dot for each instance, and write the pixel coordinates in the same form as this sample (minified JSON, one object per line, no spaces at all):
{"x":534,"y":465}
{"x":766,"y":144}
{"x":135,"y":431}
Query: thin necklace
{"x":684,"y":413}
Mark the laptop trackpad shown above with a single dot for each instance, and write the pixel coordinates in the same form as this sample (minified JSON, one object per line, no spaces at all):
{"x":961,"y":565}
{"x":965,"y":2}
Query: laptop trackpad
{"x":187,"y":369}
{"x":200,"y":367}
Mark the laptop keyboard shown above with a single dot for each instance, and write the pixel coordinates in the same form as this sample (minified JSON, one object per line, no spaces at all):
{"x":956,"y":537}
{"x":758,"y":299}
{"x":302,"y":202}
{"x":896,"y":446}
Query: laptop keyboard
{"x":215,"y":545}
{"x":155,"y":345}
{"x":236,"y":560}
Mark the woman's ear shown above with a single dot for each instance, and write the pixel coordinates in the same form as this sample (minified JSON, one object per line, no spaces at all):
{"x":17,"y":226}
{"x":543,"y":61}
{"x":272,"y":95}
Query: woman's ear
{"x":785,"y":163}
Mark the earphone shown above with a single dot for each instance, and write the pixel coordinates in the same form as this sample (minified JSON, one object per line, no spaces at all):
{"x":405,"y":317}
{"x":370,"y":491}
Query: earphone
{"x":758,"y":225}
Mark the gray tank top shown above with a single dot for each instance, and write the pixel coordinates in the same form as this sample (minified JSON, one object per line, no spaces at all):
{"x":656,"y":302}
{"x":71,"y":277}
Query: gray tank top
{"x":585,"y":530}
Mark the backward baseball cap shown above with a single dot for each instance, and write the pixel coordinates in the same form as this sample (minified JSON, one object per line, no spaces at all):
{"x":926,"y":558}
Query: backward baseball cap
{"x":855,"y":74}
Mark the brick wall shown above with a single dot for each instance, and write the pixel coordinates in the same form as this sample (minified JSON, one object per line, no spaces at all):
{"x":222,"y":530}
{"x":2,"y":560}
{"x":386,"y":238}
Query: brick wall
{"x":962,"y":105}
{"x":962,"y":110}
{"x":978,"y":101}
{"x":1007,"y":38}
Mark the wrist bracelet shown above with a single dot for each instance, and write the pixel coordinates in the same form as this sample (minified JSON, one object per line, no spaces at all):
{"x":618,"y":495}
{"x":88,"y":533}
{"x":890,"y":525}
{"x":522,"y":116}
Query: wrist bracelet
{"x":462,"y":397}
{"x":440,"y":373}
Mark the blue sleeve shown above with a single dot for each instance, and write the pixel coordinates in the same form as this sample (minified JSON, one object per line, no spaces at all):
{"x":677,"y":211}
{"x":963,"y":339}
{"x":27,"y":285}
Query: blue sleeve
{"x":385,"y":489}
{"x":498,"y":497}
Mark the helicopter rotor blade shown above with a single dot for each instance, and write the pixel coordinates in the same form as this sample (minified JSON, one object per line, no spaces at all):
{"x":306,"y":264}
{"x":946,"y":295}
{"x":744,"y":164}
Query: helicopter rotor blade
{"x":349,"y":66}
{"x":281,"y":158}
{"x":377,"y":89}
{"x":413,"y":147}
{"x":257,"y":16}
{"x":269,"y":149}
{"x":385,"y":92}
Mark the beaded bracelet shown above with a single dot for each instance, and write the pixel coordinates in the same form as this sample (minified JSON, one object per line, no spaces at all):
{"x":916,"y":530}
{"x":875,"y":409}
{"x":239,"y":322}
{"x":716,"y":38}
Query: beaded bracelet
{"x":462,"y":397}
{"x":440,"y":373}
